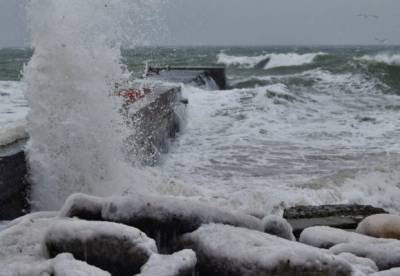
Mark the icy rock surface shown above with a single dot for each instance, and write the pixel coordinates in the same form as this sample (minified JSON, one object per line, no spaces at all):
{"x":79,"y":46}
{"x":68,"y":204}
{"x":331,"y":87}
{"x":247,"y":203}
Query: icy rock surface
{"x":227,"y":250}
{"x":363,"y":265}
{"x":162,"y":218}
{"x":62,"y":265}
{"x":83,"y":206}
{"x":326,"y":237}
{"x":385,"y":253}
{"x":66,"y":265}
{"x":117,"y":248}
{"x":182,"y":263}
{"x":20,"y":242}
{"x":390,"y":272}
{"x":380,"y":226}
{"x":278,"y":226}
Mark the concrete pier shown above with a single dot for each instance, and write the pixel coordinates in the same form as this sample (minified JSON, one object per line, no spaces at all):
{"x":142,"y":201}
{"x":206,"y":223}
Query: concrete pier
{"x":154,"y":124}
{"x":190,"y":74}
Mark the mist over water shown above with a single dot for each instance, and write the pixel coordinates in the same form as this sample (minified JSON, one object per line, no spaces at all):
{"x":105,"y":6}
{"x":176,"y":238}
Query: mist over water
{"x":75,"y":128}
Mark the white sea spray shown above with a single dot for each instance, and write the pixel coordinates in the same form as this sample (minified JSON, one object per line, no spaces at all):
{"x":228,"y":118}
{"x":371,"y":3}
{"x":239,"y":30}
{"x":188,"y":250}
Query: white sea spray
{"x":75,"y":128}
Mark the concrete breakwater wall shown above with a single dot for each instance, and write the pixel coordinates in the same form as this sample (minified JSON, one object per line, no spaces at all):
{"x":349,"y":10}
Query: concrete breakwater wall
{"x":154,"y":121}
{"x":14,"y":186}
{"x":198,"y":75}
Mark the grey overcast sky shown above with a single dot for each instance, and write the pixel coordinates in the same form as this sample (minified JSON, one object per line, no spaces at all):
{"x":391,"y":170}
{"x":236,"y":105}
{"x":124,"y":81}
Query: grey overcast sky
{"x":254,"y":22}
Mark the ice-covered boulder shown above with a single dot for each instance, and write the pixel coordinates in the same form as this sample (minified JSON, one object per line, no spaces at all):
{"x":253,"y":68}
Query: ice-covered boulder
{"x":20,"y":242}
{"x":182,"y":263}
{"x":66,"y":265}
{"x":117,"y":248}
{"x":278,"y":226}
{"x":390,"y":272}
{"x":326,"y":237}
{"x":380,"y":226}
{"x":62,"y":265}
{"x":83,"y":206}
{"x":227,"y":250}
{"x":160,"y":217}
{"x":364,"y":265}
{"x":385,"y":253}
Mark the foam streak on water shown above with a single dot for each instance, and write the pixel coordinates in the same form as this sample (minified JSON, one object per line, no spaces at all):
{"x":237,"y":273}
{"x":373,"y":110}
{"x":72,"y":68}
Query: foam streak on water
{"x":76,"y":132}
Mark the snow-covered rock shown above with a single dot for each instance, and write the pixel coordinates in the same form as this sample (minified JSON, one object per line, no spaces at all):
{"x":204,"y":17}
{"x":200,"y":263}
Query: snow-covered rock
{"x":326,"y":237}
{"x":62,"y":265}
{"x":182,"y":263}
{"x":162,"y":218}
{"x":20,"y":242}
{"x":380,"y":226}
{"x":117,"y":248}
{"x":66,"y":265}
{"x":3,"y":225}
{"x":83,"y":206}
{"x":278,"y":226}
{"x":390,"y":272}
{"x":227,"y":250}
{"x":385,"y":253}
{"x":364,"y":265}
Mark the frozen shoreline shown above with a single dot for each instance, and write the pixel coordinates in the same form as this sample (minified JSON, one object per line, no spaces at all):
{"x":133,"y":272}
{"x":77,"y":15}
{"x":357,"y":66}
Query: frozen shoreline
{"x":212,"y":238}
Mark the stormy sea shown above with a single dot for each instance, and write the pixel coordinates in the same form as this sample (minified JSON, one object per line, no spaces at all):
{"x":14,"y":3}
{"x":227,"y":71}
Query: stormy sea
{"x":296,"y":125}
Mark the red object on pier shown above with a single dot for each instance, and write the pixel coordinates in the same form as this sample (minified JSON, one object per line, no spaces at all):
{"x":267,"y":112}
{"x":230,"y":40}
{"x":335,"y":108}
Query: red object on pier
{"x":134,"y":94}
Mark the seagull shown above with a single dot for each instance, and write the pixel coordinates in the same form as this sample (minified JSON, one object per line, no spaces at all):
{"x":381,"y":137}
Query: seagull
{"x":366,"y":16}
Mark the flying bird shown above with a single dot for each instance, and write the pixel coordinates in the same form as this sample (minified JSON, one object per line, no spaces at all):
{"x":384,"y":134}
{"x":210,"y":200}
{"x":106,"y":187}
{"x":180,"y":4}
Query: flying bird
{"x":367,"y":16}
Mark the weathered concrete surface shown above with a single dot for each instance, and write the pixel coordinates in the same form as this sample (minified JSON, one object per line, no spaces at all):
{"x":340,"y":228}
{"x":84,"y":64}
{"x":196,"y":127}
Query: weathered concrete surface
{"x":14,"y":187}
{"x":190,"y":74}
{"x":339,"y":216}
{"x":154,"y":123}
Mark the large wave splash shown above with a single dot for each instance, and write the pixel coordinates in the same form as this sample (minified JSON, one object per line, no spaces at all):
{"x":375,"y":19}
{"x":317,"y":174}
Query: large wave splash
{"x":389,"y":59}
{"x":76,"y":131}
{"x":268,"y":61}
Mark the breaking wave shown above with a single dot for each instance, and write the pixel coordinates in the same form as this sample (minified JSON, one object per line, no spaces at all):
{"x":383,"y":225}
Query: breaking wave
{"x":268,"y":61}
{"x":389,"y":59}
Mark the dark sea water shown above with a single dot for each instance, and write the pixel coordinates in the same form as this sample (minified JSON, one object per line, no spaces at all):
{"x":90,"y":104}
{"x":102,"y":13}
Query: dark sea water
{"x":297,"y":125}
